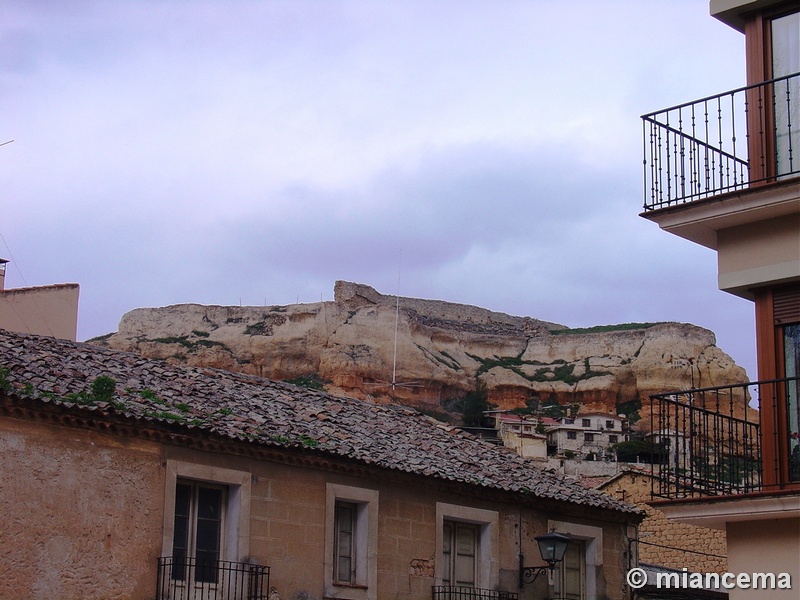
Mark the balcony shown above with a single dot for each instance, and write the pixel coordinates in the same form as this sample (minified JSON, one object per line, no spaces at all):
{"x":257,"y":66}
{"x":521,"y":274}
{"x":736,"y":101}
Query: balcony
{"x":192,"y":579}
{"x":731,"y":141}
{"x":448,"y":592}
{"x":713,"y":444}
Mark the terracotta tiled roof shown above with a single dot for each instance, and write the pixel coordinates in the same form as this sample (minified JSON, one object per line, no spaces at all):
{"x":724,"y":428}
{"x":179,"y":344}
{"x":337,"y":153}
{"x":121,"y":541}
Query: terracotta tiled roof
{"x":593,"y":482}
{"x":265,"y":412}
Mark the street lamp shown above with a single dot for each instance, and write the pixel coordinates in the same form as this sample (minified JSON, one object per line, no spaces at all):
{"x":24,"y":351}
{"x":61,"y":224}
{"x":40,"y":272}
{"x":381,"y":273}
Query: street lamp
{"x":552,"y":547}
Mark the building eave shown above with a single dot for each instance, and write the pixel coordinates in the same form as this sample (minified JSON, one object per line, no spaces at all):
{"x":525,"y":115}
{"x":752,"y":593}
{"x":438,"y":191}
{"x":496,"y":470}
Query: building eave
{"x":701,"y":221}
{"x":732,"y":12}
{"x":716,"y":512}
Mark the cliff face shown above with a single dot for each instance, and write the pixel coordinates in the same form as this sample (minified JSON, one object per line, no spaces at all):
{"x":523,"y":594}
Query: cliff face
{"x":442,"y":347}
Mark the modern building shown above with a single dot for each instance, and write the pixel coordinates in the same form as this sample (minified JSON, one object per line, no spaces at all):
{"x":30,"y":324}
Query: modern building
{"x":44,"y":310}
{"x":724,"y":172}
{"x":124,"y":477}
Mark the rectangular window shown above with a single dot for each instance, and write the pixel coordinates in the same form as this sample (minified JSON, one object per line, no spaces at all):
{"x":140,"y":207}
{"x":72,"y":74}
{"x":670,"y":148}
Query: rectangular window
{"x":588,"y":437}
{"x":576,"y":577}
{"x":206,"y":522}
{"x":571,"y":435}
{"x":467,"y":542}
{"x":586,"y":422}
{"x":609,"y":424}
{"x":459,"y":553}
{"x":197,"y":538}
{"x":572,"y":572}
{"x":351,"y":542}
{"x":612,"y":439}
{"x":344,"y":545}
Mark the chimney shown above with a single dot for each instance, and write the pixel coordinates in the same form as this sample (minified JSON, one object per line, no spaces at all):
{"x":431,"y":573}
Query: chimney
{"x":3,"y":263}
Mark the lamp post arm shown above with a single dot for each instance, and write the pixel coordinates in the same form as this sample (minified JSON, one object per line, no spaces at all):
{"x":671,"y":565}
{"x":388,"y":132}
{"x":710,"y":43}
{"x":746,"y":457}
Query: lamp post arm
{"x":530,"y":574}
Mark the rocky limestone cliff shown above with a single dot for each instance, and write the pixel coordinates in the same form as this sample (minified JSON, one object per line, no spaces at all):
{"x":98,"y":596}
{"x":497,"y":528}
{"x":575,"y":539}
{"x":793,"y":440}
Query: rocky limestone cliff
{"x":348,"y":345}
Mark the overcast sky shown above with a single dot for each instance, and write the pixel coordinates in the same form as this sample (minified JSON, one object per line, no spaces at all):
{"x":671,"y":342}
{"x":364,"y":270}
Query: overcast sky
{"x":488,"y":152}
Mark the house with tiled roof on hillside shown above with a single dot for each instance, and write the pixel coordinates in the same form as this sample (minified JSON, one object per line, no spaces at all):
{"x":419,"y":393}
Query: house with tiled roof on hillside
{"x":662,"y":542}
{"x":586,"y":435}
{"x":124,"y":477}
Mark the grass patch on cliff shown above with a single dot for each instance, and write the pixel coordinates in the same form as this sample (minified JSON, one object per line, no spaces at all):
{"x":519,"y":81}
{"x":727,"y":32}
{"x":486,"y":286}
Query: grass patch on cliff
{"x":99,"y":338}
{"x":605,"y":328}
{"x":260,"y":328}
{"x":182,"y":340}
{"x":191,"y":345}
{"x":559,"y":370}
{"x":312,"y":381}
{"x":630,"y":409}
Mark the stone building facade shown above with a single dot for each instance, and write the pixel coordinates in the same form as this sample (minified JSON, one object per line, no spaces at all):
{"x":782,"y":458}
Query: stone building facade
{"x":662,"y":542}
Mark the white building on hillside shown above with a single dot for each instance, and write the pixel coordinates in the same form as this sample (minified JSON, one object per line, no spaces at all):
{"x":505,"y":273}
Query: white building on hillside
{"x":586,"y":434}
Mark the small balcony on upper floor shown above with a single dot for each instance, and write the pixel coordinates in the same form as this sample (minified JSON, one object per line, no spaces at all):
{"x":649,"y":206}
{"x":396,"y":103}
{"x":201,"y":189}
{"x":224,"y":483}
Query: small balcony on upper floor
{"x":724,"y":172}
{"x":447,"y":592}
{"x":732,"y":141}
{"x":714,"y":442}
{"x":188,"y":578}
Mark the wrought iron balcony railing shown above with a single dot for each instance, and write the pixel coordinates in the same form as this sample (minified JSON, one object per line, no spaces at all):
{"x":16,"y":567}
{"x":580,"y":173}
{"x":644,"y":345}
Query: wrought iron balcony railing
{"x":449,"y":592}
{"x":712,"y":443}
{"x":722,"y":143}
{"x":193,"y":579}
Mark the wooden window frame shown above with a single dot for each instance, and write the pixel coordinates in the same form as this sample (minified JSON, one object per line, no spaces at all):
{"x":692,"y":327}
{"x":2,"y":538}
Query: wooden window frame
{"x":450,"y":558}
{"x":345,"y":527}
{"x":774,"y":422}
{"x":488,"y":524}
{"x":236,"y":535}
{"x":758,"y":56}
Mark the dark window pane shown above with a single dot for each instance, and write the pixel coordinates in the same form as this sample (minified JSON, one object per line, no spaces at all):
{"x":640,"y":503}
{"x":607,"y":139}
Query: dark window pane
{"x":206,"y":570}
{"x":183,"y":498}
{"x":207,"y":536}
{"x":180,"y":538}
{"x":209,"y":503}
{"x":344,"y":543}
{"x":197,"y":532}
